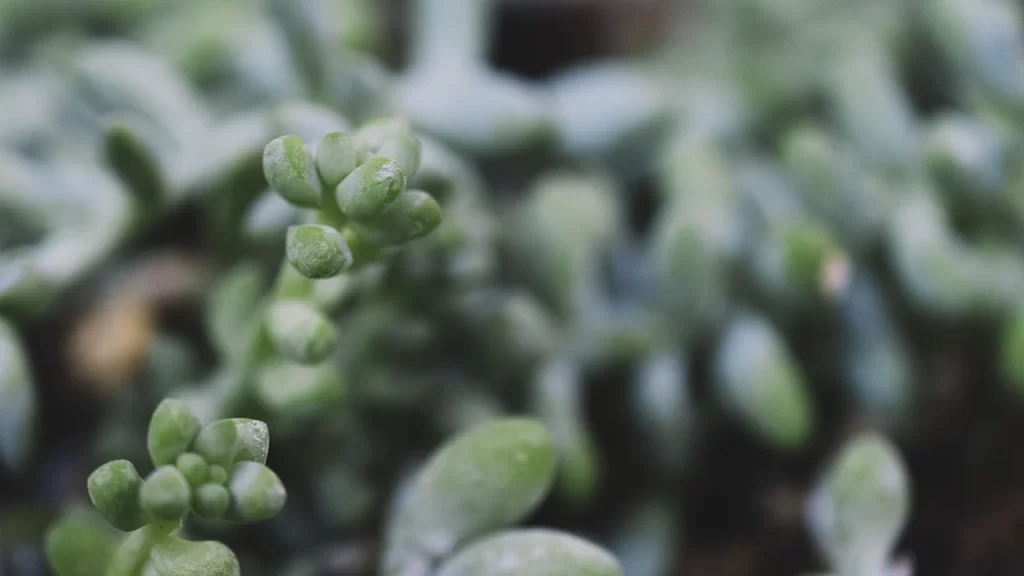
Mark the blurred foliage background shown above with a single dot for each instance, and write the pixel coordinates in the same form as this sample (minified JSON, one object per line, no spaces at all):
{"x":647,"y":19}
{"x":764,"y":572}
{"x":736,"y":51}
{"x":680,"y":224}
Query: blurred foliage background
{"x":704,"y":242}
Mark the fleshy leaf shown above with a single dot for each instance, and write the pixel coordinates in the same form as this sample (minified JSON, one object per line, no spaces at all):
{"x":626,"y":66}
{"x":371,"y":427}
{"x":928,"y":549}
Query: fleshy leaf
{"x":484,"y":479}
{"x":317,"y":251}
{"x":300,"y":332}
{"x":290,"y":170}
{"x":233,"y":440}
{"x":257,"y":493}
{"x":368,"y":191}
{"x":173,"y":556}
{"x":171,"y":429}
{"x":165,"y":496}
{"x":114,"y":490}
{"x":536,"y":552}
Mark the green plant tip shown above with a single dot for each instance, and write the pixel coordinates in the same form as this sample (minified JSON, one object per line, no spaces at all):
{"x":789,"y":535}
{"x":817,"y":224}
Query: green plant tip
{"x":317,"y":251}
{"x":193,"y":467}
{"x":535,"y":552}
{"x":256,"y":493}
{"x":211,"y":501}
{"x":79,"y":544}
{"x":171,"y":429}
{"x":414,"y":215}
{"x":225,"y":442}
{"x":336,"y":157}
{"x":217,"y":475}
{"x":368,"y":191}
{"x":166,"y":496}
{"x":114,"y":490}
{"x":300,"y":332}
{"x":290,"y":169}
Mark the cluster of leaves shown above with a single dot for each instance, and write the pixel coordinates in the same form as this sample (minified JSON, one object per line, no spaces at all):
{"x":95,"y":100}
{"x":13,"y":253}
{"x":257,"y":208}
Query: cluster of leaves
{"x":450,"y":244}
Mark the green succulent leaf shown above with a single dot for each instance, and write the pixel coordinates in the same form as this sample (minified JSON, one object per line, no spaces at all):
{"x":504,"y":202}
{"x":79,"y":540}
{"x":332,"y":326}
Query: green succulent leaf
{"x":166,"y":495}
{"x":133,"y":555}
{"x":290,"y":169}
{"x":257,"y":493}
{"x":760,"y":383}
{"x":79,"y":544}
{"x":297,"y":392}
{"x":371,"y":189}
{"x":337,"y":156}
{"x":484,"y":479}
{"x":536,"y":552}
{"x":172,"y":429}
{"x":317,"y":251}
{"x":861,"y":505}
{"x":173,"y":556}
{"x":225,"y":442}
{"x":114,"y":490}
{"x":300,"y":332}
{"x":414,"y":215}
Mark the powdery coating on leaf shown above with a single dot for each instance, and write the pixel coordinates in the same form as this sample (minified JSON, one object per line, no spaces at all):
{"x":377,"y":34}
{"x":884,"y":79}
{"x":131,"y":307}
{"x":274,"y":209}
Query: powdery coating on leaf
{"x":484,"y":479}
{"x":537,"y":552}
{"x":234,"y":440}
{"x":368,"y":191}
{"x":336,"y":157}
{"x":256,"y":493}
{"x":317,"y":251}
{"x":300,"y":332}
{"x":171,"y":430}
{"x":861,"y":505}
{"x":414,"y":215}
{"x":17,"y":400}
{"x":114,"y":490}
{"x":176,"y":557}
{"x":761,"y":384}
{"x":404,"y":149}
{"x":289,"y":168}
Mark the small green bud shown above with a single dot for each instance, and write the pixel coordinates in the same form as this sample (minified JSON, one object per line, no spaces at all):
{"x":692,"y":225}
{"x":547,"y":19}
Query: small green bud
{"x":256,"y":493}
{"x":368,"y":191}
{"x":114,"y":490}
{"x":218,"y":475}
{"x":317,"y":251}
{"x":211,"y":501}
{"x":336,"y":157}
{"x":300,"y":332}
{"x":535,"y":552}
{"x":193,"y":467}
{"x":414,"y":215}
{"x":166,"y":495}
{"x":171,"y":429}
{"x":173,"y":556}
{"x":233,"y":440}
{"x":290,"y":169}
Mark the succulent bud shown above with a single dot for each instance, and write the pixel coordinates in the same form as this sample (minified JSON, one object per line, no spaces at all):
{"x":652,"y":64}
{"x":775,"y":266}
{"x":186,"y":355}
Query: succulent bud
{"x":225,"y":442}
{"x":171,"y":430}
{"x":368,"y":191}
{"x":165,"y":497}
{"x":114,"y":490}
{"x":290,"y":170}
{"x":317,"y":251}
{"x":256,"y":493}
{"x":337,"y":156}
